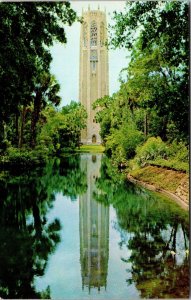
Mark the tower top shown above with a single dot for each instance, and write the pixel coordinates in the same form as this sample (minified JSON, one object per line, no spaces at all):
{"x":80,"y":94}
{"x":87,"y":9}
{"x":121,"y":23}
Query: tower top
{"x":93,"y":12}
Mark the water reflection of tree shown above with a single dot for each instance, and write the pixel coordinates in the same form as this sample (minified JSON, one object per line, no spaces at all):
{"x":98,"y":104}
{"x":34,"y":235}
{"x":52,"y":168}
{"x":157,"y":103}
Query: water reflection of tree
{"x":26,"y":237}
{"x":159,"y":266}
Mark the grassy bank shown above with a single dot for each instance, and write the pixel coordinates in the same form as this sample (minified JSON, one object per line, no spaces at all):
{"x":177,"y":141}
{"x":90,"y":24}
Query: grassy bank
{"x":160,"y":177}
{"x":91,"y":149}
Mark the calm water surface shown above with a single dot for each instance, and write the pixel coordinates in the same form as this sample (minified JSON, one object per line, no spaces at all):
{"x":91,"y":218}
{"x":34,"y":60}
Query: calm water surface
{"x":77,"y":230}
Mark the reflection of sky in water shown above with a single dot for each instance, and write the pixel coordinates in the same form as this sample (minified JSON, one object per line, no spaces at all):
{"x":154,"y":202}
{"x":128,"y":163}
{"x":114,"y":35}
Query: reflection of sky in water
{"x":29,"y":220}
{"x":180,"y":245}
{"x":126,"y":247}
{"x":63,"y":272}
{"x":84,"y":246}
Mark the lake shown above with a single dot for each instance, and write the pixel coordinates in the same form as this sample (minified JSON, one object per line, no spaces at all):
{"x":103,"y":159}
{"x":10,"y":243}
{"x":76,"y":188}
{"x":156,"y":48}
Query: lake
{"x":77,"y":229}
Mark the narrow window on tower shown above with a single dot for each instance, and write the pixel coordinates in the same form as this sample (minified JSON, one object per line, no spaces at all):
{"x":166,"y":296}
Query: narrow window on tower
{"x":102,"y":33}
{"x":93,"y":34}
{"x":93,"y":66}
{"x":85,"y":34}
{"x":93,"y":60}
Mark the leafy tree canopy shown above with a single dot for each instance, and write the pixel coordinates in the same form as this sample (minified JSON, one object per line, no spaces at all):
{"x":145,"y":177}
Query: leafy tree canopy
{"x":156,"y":34}
{"x":27,"y":30}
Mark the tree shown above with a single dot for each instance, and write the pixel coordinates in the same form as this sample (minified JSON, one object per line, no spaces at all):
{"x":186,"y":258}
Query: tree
{"x":61,"y":131}
{"x":46,"y":91}
{"x":27,"y":30}
{"x":157,"y":33}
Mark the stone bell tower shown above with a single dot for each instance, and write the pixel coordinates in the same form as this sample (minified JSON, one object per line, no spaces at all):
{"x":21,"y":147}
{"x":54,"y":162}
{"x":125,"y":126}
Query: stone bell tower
{"x":94,"y":78}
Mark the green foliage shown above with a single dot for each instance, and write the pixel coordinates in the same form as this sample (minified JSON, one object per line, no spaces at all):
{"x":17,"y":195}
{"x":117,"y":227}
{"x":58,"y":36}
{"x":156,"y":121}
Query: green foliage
{"x":61,"y":131}
{"x":156,"y":152}
{"x":178,"y":157}
{"x":5,"y":144}
{"x":23,"y":158}
{"x":105,"y":115}
{"x":45,"y":91}
{"x":153,"y":148}
{"x":179,"y":151}
{"x":156,"y":34}
{"x":173,"y":164}
{"x":123,"y":142}
{"x":27,"y":30}
{"x":118,"y":126}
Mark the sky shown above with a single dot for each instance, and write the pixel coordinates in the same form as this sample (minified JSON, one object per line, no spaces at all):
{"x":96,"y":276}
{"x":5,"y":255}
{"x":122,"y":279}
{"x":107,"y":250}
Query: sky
{"x":65,"y":63}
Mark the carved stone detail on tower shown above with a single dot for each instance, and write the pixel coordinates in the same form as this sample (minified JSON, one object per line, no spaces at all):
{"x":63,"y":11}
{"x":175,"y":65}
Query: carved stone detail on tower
{"x":94,"y":77}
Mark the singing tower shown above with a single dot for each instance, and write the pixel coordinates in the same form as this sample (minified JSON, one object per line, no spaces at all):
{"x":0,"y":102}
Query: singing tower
{"x":94,"y":78}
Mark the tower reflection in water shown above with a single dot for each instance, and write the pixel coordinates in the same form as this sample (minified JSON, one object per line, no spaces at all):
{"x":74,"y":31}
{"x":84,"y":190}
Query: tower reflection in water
{"x":94,"y":229}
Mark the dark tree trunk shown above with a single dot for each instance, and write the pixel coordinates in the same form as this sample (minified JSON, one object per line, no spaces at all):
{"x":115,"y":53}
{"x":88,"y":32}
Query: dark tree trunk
{"x":146,"y":124}
{"x":35,"y":118}
{"x":1,"y":132}
{"x":23,"y":114}
{"x":164,"y":129}
{"x":16,"y":139}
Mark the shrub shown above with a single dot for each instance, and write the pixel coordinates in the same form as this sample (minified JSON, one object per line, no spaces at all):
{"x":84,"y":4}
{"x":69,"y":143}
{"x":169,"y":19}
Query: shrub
{"x":4,"y":146}
{"x":178,"y":151}
{"x":24,"y":157}
{"x":131,"y":139}
{"x":171,"y":164}
{"x":122,"y":143}
{"x":153,"y":148}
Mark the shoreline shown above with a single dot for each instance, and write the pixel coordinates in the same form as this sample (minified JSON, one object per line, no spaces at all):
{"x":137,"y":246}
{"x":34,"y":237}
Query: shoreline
{"x":152,"y":187}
